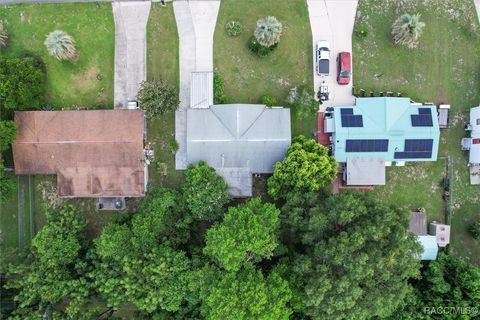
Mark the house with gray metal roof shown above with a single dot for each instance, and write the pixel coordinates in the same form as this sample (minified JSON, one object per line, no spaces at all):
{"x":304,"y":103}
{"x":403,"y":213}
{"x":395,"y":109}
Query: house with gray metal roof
{"x":238,"y":140}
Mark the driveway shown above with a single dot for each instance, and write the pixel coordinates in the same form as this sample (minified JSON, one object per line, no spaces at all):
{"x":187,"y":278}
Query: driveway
{"x":196,"y":20}
{"x":131,"y":19}
{"x":333,"y":20}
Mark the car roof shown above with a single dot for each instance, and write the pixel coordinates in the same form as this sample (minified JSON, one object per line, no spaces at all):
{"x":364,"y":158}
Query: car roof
{"x":345,"y":59}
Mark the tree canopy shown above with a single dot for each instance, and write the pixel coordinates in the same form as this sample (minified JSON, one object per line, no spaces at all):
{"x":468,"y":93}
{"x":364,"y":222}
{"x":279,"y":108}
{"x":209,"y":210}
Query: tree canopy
{"x":358,"y":260}
{"x":307,"y":167}
{"x":22,"y":83}
{"x":246,"y":294}
{"x":204,"y":192}
{"x":248,"y":233}
{"x":8,"y":132}
{"x":156,"y":97}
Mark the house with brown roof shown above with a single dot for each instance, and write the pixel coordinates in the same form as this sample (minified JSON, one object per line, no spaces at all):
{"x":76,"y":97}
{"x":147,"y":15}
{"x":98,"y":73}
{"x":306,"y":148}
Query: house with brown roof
{"x":94,"y":153}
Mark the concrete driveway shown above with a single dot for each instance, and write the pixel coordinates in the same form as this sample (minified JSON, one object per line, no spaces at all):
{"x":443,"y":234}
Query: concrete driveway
{"x":196,"y":20}
{"x":131,"y":19}
{"x":333,"y":20}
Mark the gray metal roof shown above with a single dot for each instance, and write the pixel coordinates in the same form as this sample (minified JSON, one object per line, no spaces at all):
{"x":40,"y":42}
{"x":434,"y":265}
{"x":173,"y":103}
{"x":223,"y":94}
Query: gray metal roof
{"x":238,"y":136}
{"x":239,"y":181}
{"x":365,"y":171}
{"x":418,"y":223}
{"x":201,"y":90}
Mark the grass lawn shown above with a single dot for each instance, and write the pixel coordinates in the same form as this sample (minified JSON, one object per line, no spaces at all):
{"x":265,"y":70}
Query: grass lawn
{"x":162,"y":63}
{"x":443,"y":69}
{"x":248,"y":77}
{"x":87,"y":82}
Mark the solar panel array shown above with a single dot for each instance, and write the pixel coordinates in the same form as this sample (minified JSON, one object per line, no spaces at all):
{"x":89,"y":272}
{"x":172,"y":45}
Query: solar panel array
{"x":423,"y":118}
{"x":349,"y":120}
{"x":416,"y":149}
{"x":366,"y":145}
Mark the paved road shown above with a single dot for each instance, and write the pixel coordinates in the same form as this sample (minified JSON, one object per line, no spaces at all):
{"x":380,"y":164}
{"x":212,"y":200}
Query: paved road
{"x":333,"y":20}
{"x":130,"y":49}
{"x":196,"y":20}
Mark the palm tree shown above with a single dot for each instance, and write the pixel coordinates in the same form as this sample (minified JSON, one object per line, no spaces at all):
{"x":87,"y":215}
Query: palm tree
{"x":407,"y":29}
{"x":61,"y":45}
{"x":3,"y":35}
{"x":268,"y":31}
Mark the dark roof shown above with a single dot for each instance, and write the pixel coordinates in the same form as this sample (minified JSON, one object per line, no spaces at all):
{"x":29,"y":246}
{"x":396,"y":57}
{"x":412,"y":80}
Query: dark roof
{"x":418,"y":223}
{"x":94,"y":153}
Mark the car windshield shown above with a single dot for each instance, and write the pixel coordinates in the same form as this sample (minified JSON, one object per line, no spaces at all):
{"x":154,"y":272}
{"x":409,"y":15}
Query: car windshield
{"x":344,"y":74}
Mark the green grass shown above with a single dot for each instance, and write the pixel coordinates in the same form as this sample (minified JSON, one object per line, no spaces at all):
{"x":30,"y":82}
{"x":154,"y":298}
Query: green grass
{"x":87,"y":82}
{"x":162,"y":63}
{"x":443,"y":69}
{"x":248,"y":77}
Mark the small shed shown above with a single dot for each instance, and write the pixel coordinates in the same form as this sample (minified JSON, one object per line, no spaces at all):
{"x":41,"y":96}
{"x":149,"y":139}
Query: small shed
{"x":365,"y":171}
{"x":418,"y":223}
{"x":441,"y":232}
{"x":443,"y":110}
{"x":430,"y":247}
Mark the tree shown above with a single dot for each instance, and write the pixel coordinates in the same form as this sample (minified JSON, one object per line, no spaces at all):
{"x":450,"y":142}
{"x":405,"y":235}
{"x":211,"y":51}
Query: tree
{"x":449,"y":282}
{"x":8,"y":184}
{"x":407,"y":29}
{"x":246,"y":294}
{"x":268,"y":31}
{"x":475,"y":230}
{"x":22,"y":83}
{"x":308,"y":167}
{"x":157,"y":98}
{"x":61,"y":45}
{"x":3,"y":35}
{"x":302,"y":100}
{"x":8,"y":132}
{"x":358,"y":260}
{"x":204,"y":192}
{"x":55,"y":270}
{"x":248,"y":233}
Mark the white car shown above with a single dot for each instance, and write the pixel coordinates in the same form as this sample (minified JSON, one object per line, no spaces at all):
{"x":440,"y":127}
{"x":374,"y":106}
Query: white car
{"x":322,"y":58}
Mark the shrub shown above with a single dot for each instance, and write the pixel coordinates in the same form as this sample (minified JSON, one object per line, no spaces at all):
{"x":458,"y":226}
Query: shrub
{"x":61,"y":45}
{"x":3,"y":35}
{"x":475,"y":230}
{"x":219,"y":96}
{"x":258,"y":49}
{"x":156,"y":98}
{"x":407,"y":29}
{"x":269,"y":101}
{"x":361,"y":31}
{"x":233,"y":28}
{"x":268,"y":31}
{"x":302,"y":100}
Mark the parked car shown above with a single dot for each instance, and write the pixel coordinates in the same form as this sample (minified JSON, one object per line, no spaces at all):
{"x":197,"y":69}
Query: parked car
{"x":322,"y":57}
{"x":344,"y":68}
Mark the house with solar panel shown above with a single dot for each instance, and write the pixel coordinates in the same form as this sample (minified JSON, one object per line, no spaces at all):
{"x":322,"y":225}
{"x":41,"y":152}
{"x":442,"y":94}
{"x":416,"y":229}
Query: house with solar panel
{"x":379,"y":132}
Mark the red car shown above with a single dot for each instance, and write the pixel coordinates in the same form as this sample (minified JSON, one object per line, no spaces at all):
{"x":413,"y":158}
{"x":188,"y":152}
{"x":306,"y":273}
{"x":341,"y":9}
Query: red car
{"x":344,"y":68}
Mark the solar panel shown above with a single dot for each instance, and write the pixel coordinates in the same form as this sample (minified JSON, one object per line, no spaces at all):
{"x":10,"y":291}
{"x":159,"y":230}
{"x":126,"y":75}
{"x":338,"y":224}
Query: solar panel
{"x":346,"y":111}
{"x":416,"y":149}
{"x":349,"y":120}
{"x":425,"y":111}
{"x":366,"y":145}
{"x":422,"y":120}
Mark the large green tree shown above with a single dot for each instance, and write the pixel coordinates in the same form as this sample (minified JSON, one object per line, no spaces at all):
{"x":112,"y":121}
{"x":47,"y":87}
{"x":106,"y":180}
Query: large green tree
{"x":358,"y":260}
{"x":248,"y":233}
{"x":204,"y":192}
{"x":56,"y":269}
{"x":246,"y":294}
{"x":307,"y":167}
{"x":22,"y":83}
{"x":8,"y":132}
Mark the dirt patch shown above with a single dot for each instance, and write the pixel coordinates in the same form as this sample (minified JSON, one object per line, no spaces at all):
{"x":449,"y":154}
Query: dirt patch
{"x":441,"y":97}
{"x":86,"y":80}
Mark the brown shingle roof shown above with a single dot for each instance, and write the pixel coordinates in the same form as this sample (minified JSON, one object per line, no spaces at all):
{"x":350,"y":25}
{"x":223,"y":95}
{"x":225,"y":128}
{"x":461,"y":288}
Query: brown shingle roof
{"x":94,"y":153}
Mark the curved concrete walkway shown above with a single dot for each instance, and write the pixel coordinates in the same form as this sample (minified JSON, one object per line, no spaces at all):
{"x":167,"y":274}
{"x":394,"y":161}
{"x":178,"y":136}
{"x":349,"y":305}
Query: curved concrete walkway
{"x":196,"y":20}
{"x":131,"y":19}
{"x":333,"y":20}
